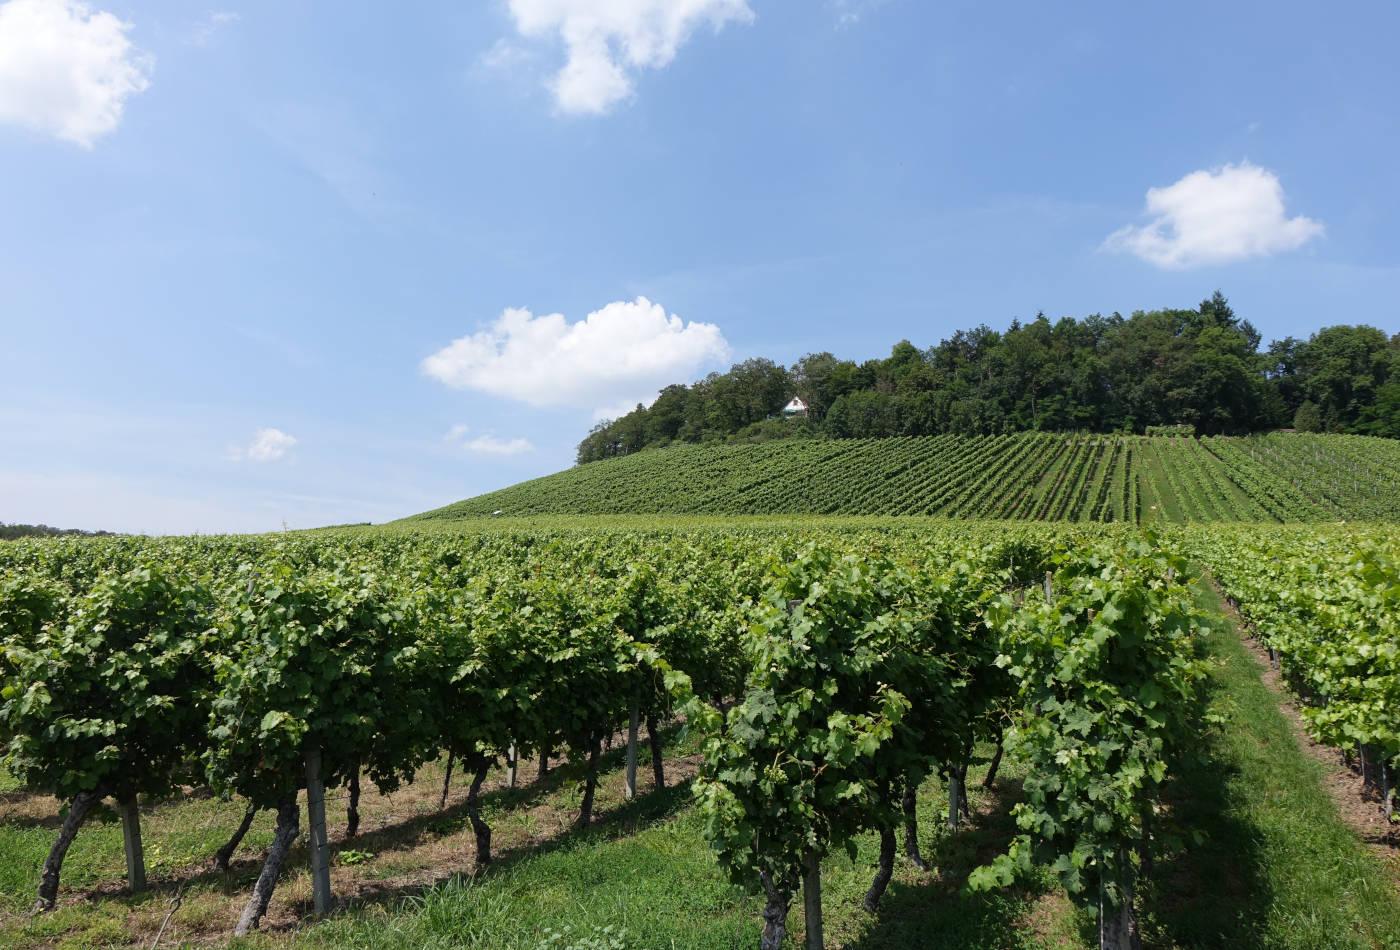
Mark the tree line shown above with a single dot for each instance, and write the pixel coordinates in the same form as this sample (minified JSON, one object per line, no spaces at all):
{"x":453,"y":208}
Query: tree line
{"x":9,"y":532}
{"x":1205,"y":368}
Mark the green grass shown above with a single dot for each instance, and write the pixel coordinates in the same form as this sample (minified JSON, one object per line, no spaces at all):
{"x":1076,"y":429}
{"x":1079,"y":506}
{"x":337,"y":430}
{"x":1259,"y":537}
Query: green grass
{"x":1275,"y":866}
{"x":660,"y":887}
{"x":177,"y":836}
{"x":646,"y":872}
{"x":973,"y":477}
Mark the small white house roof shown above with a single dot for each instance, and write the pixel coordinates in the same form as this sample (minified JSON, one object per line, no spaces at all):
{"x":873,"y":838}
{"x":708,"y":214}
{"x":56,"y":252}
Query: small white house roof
{"x":797,"y":405}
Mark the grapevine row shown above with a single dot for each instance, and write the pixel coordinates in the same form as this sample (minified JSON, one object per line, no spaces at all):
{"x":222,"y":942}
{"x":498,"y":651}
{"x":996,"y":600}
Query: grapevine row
{"x":1041,"y":476}
{"x":831,"y":671}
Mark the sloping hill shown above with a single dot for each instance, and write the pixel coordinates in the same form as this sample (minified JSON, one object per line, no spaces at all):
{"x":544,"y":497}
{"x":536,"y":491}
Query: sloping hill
{"x":1039,"y":476}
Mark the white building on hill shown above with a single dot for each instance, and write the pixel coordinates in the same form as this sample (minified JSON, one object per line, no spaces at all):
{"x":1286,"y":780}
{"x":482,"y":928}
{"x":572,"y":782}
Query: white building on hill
{"x":795,"y":408}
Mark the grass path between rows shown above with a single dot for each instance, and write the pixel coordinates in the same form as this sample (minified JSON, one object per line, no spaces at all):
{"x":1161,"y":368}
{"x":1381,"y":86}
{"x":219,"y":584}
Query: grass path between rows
{"x":1263,"y":861}
{"x":1274,"y":866}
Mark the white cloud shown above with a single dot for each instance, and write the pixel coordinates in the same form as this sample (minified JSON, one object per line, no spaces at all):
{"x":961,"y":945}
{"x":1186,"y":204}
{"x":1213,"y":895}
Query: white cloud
{"x":487,"y":444}
{"x":851,"y":12}
{"x":268,"y":445}
{"x":618,"y":410}
{"x":624,"y":352}
{"x":1215,"y":217}
{"x":506,"y":56}
{"x":211,"y":25}
{"x":66,"y":69}
{"x":608,"y":41}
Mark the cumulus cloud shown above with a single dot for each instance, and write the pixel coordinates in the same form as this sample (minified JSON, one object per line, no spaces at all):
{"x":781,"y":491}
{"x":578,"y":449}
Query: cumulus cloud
{"x":65,"y":69}
{"x":624,"y":352}
{"x":267,"y":445}
{"x":607,"y":41}
{"x":487,"y":444}
{"x":1214,"y":217}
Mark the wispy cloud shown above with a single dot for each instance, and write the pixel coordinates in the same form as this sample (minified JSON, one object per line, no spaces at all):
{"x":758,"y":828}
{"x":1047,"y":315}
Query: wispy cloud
{"x":213,"y":24}
{"x":487,"y":443}
{"x":267,"y":445}
{"x":850,"y":12}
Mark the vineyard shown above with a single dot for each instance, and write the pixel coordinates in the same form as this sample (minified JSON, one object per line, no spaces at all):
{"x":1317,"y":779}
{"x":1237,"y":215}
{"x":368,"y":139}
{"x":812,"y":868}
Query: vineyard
{"x":1283,"y":477}
{"x":844,"y":700}
{"x":1326,"y":606}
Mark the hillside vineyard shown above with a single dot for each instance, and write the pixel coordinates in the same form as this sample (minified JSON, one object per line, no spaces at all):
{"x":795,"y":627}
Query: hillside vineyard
{"x":1282,"y":477}
{"x":829,"y":669}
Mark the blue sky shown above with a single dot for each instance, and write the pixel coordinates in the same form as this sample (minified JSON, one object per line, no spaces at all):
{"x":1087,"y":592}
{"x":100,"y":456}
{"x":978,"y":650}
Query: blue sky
{"x":294,"y":262}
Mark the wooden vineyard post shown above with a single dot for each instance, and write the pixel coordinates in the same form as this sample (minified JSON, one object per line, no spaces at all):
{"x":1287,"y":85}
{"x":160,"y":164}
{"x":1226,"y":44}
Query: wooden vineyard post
{"x":629,"y":790}
{"x":512,"y":765}
{"x":319,"y":842}
{"x":955,"y":794}
{"x":1117,"y":922}
{"x":812,"y":898}
{"x":658,"y":765}
{"x":131,"y":840}
{"x":1049,"y":586}
{"x":1385,"y":789}
{"x":447,"y":780}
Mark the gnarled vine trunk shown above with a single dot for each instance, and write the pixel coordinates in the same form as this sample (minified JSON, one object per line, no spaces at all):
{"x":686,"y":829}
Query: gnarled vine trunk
{"x":288,"y":828}
{"x":910,"y":805}
{"x":884,"y":872}
{"x":352,"y":810}
{"x":775,"y":913}
{"x":78,"y":811}
{"x":480,"y":827}
{"x":590,"y":785}
{"x":991,"y":776}
{"x":812,"y":899}
{"x":224,"y":855}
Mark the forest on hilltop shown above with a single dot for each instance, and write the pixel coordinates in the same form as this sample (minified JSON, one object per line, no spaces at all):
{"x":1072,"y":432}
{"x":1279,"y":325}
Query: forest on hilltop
{"x":1205,"y":368}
